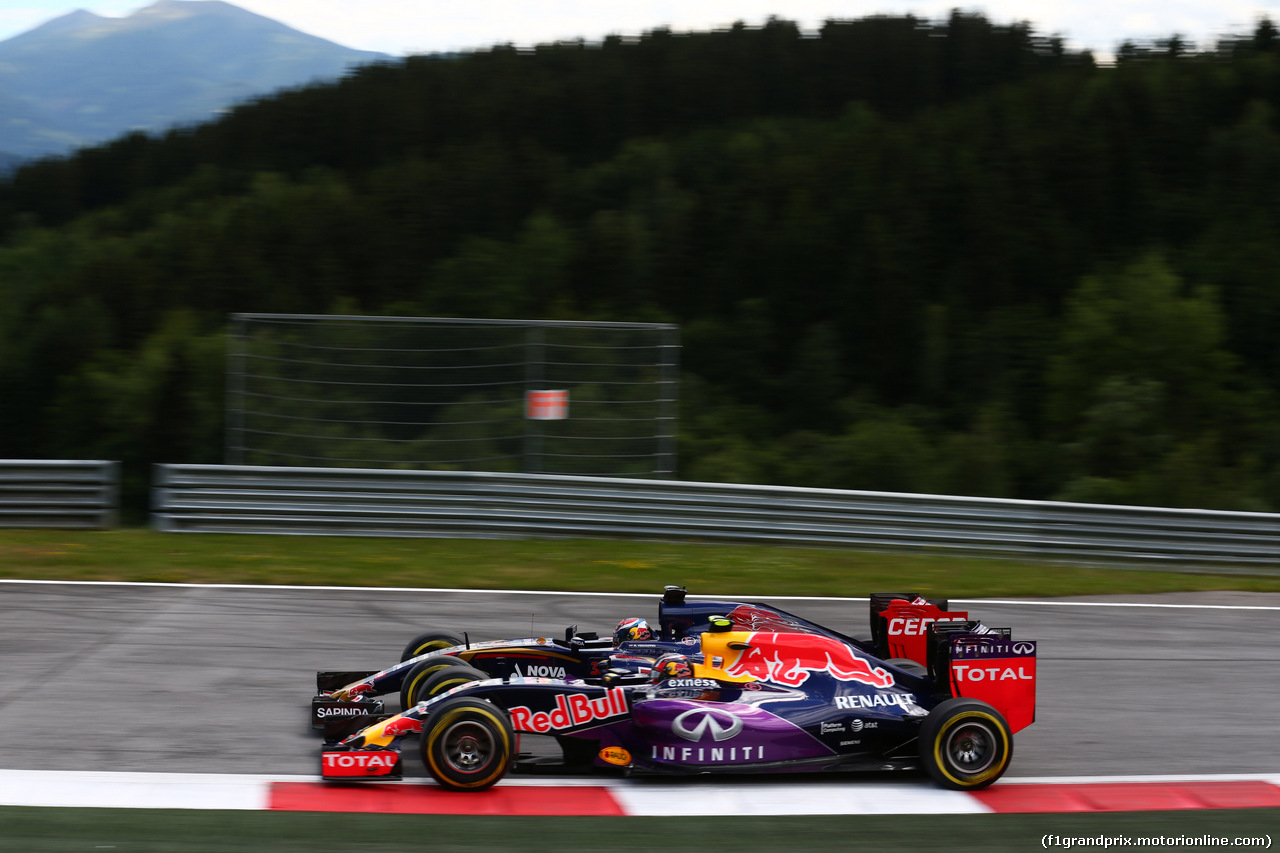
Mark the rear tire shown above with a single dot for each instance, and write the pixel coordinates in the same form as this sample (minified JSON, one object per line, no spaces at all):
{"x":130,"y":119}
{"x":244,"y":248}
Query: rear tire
{"x":467,"y":744}
{"x":965,"y":744}
{"x":430,"y":641}
{"x":435,"y":678}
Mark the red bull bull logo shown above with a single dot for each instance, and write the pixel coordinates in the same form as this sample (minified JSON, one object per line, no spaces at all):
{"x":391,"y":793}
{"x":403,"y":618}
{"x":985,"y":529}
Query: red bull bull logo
{"x":352,"y":691}
{"x":789,"y":659}
{"x":397,"y":726}
{"x":383,"y":733}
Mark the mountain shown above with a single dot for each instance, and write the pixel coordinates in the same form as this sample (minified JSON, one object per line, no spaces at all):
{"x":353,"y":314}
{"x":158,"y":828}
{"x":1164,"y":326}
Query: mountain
{"x":9,"y":162}
{"x":82,"y":78}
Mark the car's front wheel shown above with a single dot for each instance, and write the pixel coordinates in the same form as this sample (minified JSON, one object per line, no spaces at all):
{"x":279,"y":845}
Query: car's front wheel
{"x":411,"y":684}
{"x":435,"y":679}
{"x":430,"y":641}
{"x":467,"y":744}
{"x":965,"y":744}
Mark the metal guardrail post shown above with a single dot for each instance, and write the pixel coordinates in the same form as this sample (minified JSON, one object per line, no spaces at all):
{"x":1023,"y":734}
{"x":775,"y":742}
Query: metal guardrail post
{"x":534,"y":356}
{"x":235,"y":390}
{"x":668,"y":404}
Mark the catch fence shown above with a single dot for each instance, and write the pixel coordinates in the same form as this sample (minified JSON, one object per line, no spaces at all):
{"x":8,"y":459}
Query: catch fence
{"x":530,"y":396}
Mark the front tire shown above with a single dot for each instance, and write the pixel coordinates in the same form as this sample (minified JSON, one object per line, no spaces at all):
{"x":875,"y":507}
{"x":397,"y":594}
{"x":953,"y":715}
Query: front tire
{"x":468,"y":744}
{"x":965,"y":744}
{"x":430,"y":641}
{"x":432,"y":677}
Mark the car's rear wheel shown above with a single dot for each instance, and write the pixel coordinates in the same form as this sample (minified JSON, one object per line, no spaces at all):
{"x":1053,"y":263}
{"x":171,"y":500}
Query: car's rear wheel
{"x":467,"y":744}
{"x":965,"y":744}
{"x":435,"y":678}
{"x":430,"y":641}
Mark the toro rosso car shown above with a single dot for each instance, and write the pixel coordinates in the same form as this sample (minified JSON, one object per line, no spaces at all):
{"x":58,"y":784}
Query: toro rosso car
{"x":757,"y":691}
{"x":438,"y":660}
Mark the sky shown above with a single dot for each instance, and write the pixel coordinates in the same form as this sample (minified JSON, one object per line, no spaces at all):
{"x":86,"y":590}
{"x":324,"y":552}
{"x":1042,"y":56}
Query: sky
{"x":400,"y":27}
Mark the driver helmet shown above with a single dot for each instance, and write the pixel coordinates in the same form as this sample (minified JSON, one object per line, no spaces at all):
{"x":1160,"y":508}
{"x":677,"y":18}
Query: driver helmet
{"x":671,"y":666}
{"x":631,"y":629}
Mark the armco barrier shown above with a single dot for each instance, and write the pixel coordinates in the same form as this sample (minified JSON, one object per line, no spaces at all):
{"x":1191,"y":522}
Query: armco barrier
{"x":365,"y":502}
{"x":58,"y":493}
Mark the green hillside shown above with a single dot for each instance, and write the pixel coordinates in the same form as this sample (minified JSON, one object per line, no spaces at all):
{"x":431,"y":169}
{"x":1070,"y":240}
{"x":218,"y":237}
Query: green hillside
{"x":946,"y":257}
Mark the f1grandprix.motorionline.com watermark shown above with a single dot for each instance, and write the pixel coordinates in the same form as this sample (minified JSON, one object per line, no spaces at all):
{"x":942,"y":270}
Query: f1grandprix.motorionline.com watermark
{"x":1108,"y":841}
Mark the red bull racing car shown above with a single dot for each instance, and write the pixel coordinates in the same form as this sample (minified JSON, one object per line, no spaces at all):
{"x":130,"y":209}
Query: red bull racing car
{"x":720,"y":687}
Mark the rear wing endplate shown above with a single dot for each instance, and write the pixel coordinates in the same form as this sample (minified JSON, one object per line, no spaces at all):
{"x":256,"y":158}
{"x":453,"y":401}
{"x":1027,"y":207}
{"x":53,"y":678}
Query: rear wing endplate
{"x":990,"y":667}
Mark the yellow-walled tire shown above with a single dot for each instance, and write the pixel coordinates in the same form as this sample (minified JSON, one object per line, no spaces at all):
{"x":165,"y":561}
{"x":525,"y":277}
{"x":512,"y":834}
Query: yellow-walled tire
{"x":468,"y":744}
{"x":412,"y":686}
{"x":430,"y":641}
{"x":965,"y":744}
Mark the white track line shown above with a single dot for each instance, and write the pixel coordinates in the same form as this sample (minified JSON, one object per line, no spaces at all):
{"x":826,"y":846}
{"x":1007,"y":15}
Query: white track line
{"x":1172,"y":778}
{"x":646,"y":595}
{"x":1038,"y":603}
{"x":47,"y":788}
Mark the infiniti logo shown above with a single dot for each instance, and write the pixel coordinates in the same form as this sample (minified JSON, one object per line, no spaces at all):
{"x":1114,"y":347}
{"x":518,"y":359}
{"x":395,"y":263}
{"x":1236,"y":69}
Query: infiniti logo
{"x":694,"y":724}
{"x":1023,"y":648}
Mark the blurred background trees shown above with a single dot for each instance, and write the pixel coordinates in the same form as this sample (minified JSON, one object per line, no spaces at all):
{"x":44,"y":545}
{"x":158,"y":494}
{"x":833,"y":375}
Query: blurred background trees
{"x":906,"y":255}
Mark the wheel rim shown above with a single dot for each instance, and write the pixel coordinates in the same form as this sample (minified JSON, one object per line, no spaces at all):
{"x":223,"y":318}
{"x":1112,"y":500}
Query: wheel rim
{"x":468,"y":746}
{"x":971,"y":747}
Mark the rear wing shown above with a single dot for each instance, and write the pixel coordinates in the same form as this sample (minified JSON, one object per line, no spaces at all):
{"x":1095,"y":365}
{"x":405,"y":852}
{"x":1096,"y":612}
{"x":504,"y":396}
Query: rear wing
{"x":907,"y":628}
{"x":900,"y":621}
{"x":989,"y":666}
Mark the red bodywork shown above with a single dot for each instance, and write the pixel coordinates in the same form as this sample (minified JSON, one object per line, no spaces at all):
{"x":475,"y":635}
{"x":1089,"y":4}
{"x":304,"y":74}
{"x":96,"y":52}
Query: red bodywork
{"x":907,"y":627}
{"x":998,"y":671}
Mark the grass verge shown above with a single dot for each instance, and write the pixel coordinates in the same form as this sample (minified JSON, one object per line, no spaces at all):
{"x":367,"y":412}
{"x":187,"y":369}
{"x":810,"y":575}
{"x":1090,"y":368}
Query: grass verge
{"x":568,"y":565}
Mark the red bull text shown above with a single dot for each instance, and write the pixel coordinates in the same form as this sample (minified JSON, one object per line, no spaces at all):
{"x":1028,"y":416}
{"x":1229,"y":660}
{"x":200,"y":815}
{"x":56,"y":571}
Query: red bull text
{"x":571,"y":710}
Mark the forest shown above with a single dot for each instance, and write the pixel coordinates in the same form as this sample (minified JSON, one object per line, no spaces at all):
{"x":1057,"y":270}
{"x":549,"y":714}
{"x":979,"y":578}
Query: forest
{"x":941,"y":256}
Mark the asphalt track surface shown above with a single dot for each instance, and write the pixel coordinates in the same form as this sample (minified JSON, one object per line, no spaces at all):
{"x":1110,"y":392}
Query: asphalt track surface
{"x":212,"y":679}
